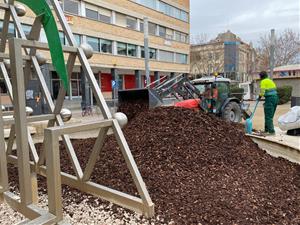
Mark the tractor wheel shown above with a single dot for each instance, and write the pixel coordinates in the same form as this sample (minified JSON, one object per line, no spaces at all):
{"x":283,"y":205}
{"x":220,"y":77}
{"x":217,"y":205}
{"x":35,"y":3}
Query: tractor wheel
{"x":232,"y":112}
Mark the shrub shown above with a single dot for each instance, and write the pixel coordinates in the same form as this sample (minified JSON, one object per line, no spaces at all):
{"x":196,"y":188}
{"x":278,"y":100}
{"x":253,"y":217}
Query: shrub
{"x":284,"y":94}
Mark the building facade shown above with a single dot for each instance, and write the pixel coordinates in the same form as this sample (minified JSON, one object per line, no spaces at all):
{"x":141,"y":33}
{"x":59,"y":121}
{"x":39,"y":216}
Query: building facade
{"x":115,"y":31}
{"x":227,"y":54}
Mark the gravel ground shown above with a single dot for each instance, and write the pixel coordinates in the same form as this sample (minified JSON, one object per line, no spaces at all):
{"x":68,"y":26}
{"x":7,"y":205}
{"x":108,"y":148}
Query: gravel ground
{"x":78,"y":208}
{"x":86,"y":209}
{"x":8,"y":215}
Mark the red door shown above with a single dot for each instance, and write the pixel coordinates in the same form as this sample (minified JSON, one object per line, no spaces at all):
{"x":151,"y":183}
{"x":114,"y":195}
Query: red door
{"x":106,"y":79}
{"x":129,"y":81}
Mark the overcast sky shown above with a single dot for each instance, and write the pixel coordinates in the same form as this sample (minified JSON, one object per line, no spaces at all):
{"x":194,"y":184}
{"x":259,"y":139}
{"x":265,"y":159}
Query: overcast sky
{"x":246,"y":18}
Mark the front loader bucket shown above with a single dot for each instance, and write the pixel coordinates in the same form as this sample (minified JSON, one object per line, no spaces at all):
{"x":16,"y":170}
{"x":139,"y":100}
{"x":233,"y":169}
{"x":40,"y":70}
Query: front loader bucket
{"x":141,"y":96}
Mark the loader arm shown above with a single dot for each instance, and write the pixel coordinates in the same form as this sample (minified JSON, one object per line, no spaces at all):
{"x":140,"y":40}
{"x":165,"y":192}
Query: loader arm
{"x":179,"y":85}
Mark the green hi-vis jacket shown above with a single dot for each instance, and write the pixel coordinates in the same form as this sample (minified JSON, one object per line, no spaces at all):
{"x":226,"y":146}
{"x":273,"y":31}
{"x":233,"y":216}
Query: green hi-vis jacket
{"x":267,"y":87}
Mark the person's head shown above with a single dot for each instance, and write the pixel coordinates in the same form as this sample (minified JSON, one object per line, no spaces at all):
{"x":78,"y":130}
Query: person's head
{"x":263,"y":75}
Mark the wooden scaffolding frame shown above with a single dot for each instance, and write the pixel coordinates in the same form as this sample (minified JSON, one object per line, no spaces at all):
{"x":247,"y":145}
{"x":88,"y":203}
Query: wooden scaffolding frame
{"x":22,"y":55}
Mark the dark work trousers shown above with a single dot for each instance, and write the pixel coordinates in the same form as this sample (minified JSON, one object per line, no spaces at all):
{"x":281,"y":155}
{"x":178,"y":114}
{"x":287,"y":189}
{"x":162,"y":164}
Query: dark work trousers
{"x":270,"y":109}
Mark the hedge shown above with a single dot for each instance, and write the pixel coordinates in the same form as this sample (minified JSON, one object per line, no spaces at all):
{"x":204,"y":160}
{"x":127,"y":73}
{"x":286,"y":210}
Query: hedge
{"x":284,"y":94}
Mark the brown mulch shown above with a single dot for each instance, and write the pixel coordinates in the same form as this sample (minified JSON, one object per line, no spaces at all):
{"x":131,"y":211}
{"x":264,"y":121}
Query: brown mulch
{"x":199,"y":169}
{"x":133,"y":108}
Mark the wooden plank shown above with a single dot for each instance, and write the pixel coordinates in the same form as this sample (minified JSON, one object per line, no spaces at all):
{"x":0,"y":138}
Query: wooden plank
{"x":20,"y":121}
{"x":86,"y":126}
{"x":277,"y":149}
{"x":53,"y":174}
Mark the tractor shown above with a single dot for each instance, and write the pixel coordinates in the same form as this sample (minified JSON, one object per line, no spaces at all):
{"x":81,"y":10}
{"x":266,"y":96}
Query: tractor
{"x":197,"y":94}
{"x":216,"y":96}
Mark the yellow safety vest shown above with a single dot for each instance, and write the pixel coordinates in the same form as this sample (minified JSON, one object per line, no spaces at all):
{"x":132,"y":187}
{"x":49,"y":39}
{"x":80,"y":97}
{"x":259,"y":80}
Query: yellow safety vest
{"x":267,"y":87}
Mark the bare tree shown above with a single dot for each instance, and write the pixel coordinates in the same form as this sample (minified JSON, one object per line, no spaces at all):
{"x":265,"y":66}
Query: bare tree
{"x":199,"y":39}
{"x":205,"y":62}
{"x":287,"y":48}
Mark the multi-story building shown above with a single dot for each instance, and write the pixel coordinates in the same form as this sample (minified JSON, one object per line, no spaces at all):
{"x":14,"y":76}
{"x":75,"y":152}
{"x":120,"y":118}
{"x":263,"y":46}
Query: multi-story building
{"x":227,"y":54}
{"x":115,"y":30}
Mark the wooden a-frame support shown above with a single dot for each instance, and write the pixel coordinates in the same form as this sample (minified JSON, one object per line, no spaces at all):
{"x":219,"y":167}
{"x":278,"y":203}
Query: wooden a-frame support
{"x":56,"y":128}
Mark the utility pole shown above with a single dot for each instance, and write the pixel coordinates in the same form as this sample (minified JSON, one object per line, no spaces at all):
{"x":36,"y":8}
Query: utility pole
{"x":146,"y":50}
{"x":272,"y":53}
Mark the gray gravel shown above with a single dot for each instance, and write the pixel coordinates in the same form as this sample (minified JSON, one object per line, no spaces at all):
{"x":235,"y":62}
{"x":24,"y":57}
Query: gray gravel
{"x":89,"y":210}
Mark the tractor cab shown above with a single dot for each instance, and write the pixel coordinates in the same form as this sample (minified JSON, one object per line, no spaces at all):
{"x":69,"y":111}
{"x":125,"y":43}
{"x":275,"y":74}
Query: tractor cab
{"x":216,"y":97}
{"x":214,"y":92}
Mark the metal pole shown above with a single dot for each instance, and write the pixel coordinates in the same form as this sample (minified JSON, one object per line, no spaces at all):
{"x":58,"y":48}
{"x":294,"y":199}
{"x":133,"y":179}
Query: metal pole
{"x":272,"y":52}
{"x":146,"y":48}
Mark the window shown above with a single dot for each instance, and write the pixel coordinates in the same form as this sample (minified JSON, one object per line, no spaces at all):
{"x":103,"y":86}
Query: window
{"x":76,"y":85}
{"x":177,"y":36}
{"x":162,"y":31}
{"x":126,"y":49}
{"x":100,"y":45}
{"x":121,"y":20}
{"x":105,"y":19}
{"x":11,"y":30}
{"x":98,"y":13}
{"x":181,"y":37}
{"x":122,"y":48}
{"x":169,"y":34}
{"x":94,"y":43}
{"x":77,"y":38}
{"x":152,"y":28}
{"x":152,"y":53}
{"x":26,"y":29}
{"x":184,"y":38}
{"x":141,"y":26}
{"x":148,"y":3}
{"x":166,"y":8}
{"x":91,"y":14}
{"x":181,"y":58}
{"x":106,"y":46}
{"x":71,"y":6}
{"x":173,"y":11}
{"x":131,"y":50}
{"x":104,"y":15}
{"x":131,"y":23}
{"x":62,"y":38}
{"x":162,"y":7}
{"x":177,"y":13}
{"x":166,"y":56}
{"x":184,"y":16}
{"x":43,"y":37}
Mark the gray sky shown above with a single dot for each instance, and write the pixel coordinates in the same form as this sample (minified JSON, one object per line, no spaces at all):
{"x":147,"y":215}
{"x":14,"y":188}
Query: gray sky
{"x":246,"y":18}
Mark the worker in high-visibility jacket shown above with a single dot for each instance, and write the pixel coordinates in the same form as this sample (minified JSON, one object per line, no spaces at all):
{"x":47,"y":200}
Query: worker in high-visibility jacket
{"x":268,"y":90}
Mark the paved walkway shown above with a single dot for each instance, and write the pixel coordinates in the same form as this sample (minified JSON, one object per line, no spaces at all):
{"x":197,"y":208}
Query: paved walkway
{"x":259,"y":120}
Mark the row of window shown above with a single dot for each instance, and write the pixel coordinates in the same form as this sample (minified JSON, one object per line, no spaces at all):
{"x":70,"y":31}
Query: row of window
{"x":166,"y":9}
{"x":105,"y":15}
{"x":125,"y":49}
{"x":106,"y":46}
